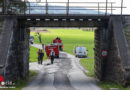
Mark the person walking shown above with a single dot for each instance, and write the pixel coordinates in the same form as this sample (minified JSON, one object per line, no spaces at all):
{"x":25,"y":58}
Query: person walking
{"x":38,"y":56}
{"x":52,"y":56}
{"x":41,"y":55}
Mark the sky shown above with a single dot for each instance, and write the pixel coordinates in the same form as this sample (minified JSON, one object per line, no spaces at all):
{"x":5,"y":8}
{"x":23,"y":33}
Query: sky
{"x":126,"y":3}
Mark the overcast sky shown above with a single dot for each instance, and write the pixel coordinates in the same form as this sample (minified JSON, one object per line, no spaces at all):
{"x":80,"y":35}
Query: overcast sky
{"x":117,"y":3}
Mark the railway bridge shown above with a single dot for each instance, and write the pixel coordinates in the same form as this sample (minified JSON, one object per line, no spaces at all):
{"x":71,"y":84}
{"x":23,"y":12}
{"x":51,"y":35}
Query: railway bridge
{"x":112,"y":35}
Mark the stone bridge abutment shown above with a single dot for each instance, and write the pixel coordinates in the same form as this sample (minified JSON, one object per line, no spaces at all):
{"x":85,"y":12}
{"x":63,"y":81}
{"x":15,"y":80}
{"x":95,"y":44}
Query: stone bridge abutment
{"x":110,"y":36}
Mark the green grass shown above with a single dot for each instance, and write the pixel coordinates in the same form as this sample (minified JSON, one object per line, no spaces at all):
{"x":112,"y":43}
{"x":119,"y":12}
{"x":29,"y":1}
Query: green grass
{"x":89,"y":65}
{"x":34,"y":56}
{"x":22,"y":83}
{"x":70,"y":38}
{"x":106,"y":85}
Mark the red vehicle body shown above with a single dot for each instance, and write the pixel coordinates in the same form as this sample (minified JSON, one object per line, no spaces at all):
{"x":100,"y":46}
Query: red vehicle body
{"x":49,"y":48}
{"x":59,"y":43}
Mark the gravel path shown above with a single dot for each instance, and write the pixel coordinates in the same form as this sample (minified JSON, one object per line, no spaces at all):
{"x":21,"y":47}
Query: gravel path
{"x":65,"y":74}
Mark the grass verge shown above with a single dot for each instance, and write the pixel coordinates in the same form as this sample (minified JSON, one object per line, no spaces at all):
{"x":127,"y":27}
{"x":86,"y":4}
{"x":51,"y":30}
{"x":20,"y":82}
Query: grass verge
{"x":106,"y":85}
{"x":88,"y":64}
{"x":34,"y":56}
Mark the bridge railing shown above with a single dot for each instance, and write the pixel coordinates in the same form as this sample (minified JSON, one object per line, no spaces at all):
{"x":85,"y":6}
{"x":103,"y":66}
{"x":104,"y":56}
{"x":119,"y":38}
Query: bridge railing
{"x":28,"y":8}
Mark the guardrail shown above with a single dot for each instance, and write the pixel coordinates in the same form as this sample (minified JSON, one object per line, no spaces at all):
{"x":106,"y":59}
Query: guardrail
{"x":27,"y":8}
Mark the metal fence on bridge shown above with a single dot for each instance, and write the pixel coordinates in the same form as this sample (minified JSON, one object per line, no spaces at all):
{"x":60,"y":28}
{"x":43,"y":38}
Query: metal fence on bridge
{"x":28,"y":8}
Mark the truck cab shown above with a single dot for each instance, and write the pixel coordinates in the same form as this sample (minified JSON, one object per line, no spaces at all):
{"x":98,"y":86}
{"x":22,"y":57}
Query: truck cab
{"x":58,"y":41}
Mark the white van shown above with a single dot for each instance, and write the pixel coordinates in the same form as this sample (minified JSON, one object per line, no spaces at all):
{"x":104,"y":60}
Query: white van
{"x":81,"y":51}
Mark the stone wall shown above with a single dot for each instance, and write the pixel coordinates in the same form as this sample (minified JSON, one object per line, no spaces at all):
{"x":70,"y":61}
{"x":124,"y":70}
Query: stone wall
{"x":9,"y":24}
{"x":1,"y":23}
{"x":109,"y":68}
{"x":98,"y":62}
{"x":127,"y":34}
{"x":114,"y":70}
{"x":16,"y":65}
{"x":18,"y":59}
{"x":127,"y":30}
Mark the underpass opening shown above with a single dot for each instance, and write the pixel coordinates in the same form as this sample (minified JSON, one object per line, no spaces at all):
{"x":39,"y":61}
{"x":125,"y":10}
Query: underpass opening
{"x":104,"y":40}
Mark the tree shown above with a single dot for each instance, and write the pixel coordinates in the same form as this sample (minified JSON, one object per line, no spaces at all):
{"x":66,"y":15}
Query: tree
{"x":13,"y":6}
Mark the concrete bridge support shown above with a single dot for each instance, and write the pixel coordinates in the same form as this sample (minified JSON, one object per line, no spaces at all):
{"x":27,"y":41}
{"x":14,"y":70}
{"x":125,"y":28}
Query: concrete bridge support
{"x":15,"y":52}
{"x":114,"y":67}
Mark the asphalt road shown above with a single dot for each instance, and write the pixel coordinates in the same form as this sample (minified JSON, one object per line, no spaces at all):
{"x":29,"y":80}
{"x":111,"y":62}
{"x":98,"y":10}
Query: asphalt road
{"x":65,"y":74}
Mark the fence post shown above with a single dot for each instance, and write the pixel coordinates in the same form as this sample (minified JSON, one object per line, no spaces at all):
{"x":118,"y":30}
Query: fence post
{"x":46,"y":7}
{"x":3,"y":7}
{"x":29,"y":7}
{"x":121,"y":7}
{"x":67,"y":8}
{"x":111,"y":9}
{"x":24,"y":6}
{"x":106,"y":6}
{"x":98,"y":9}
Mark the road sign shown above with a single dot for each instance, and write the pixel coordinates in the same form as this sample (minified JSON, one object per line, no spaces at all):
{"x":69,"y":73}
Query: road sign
{"x":104,"y":53}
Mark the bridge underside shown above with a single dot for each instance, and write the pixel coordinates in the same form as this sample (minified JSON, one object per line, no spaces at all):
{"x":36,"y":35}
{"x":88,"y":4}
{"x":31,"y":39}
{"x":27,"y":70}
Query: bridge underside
{"x":63,"y":20}
{"x":114,"y":67}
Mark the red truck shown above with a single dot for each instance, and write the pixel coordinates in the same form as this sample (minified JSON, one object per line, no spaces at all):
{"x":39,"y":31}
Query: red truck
{"x":58,"y":42}
{"x":49,"y":48}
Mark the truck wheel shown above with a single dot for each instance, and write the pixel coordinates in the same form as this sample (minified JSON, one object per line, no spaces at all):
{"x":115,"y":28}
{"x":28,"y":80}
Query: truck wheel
{"x":57,"y":56}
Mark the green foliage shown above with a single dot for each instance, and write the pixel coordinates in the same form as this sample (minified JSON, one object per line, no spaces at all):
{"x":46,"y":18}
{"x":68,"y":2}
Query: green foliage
{"x":34,"y":56}
{"x":14,"y":6}
{"x":107,"y":85}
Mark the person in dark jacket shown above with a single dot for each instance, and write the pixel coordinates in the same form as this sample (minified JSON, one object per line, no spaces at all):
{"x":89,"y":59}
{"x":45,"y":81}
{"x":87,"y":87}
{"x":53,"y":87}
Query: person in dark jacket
{"x":41,"y":55}
{"x":52,"y":56}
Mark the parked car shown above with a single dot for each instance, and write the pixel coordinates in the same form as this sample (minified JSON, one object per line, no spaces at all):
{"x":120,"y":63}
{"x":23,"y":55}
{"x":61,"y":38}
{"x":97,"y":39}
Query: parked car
{"x":50,"y":47}
{"x":31,"y":40}
{"x":81,"y":51}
